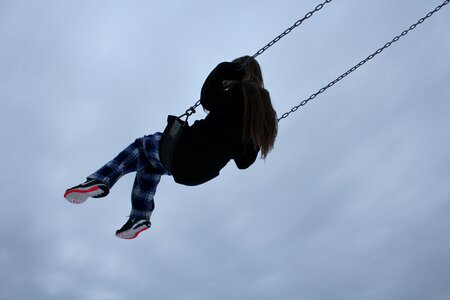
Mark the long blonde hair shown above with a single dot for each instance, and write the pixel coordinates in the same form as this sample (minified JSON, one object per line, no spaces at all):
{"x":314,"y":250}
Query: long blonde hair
{"x":260,"y":124}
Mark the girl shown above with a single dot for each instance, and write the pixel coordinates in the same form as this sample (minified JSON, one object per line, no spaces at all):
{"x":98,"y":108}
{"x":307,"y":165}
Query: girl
{"x":240,"y":123}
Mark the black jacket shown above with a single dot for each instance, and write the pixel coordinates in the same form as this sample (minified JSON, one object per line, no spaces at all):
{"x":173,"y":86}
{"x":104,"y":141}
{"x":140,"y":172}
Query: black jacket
{"x":209,"y":144}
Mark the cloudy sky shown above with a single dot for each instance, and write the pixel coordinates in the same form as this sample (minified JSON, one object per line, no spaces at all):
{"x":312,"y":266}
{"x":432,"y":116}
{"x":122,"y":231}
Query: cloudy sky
{"x":353,"y":203}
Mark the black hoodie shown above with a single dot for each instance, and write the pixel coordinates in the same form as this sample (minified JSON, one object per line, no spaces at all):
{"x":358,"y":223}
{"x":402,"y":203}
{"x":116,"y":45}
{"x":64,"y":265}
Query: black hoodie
{"x":209,"y":144}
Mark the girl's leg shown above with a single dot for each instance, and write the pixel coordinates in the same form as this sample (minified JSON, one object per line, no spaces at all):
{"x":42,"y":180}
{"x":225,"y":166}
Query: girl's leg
{"x":141,"y":154}
{"x":142,"y":202}
{"x":99,"y":183}
{"x":143,"y":192}
{"x":131,"y":159}
{"x":144,"y":189}
{"x":147,"y":179}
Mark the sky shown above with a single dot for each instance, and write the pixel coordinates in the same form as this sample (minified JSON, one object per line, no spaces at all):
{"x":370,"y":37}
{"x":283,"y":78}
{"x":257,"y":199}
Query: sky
{"x":353,"y":203}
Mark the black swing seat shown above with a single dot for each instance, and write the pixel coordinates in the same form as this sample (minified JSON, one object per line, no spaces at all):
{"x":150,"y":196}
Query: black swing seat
{"x":169,"y":140}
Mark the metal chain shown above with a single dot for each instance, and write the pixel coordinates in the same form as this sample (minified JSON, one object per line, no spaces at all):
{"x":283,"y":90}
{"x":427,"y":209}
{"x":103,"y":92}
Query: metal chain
{"x":191,"y":110}
{"x":342,"y":76}
{"x":288,"y":30}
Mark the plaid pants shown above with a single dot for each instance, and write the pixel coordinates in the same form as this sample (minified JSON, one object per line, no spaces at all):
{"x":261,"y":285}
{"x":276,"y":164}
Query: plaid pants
{"x":142,"y":157}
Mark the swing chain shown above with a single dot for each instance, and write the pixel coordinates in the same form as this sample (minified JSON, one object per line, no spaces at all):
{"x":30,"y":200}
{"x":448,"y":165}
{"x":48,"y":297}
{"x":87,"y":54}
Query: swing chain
{"x":191,"y":110}
{"x":288,"y":30}
{"x":342,"y":76}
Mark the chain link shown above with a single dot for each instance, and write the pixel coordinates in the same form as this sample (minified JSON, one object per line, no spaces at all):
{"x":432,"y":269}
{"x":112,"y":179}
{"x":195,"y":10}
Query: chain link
{"x":191,"y":110}
{"x":288,"y":30}
{"x":378,"y":51}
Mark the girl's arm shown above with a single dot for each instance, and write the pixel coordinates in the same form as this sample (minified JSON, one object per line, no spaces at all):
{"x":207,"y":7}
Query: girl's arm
{"x":247,"y":159}
{"x":213,"y":93}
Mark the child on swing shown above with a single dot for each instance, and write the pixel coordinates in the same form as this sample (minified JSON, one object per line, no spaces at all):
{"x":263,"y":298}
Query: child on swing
{"x":240,"y":123}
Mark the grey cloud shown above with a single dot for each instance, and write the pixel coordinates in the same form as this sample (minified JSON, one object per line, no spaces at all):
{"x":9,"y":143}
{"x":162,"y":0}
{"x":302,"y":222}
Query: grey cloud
{"x":352,"y":204}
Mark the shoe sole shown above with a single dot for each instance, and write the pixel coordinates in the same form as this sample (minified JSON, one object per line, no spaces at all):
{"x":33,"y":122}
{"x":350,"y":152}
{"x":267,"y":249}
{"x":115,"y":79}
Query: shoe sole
{"x":133,"y":232}
{"x":80,"y":194}
{"x":130,"y":235}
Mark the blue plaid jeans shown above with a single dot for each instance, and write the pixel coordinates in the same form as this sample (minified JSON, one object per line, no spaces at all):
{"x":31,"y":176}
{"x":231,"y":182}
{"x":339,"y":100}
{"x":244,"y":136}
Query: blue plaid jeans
{"x":142,"y":157}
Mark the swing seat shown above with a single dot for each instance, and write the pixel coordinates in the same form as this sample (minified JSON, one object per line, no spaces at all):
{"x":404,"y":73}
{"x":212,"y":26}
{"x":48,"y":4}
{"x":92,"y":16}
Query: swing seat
{"x":169,"y":140}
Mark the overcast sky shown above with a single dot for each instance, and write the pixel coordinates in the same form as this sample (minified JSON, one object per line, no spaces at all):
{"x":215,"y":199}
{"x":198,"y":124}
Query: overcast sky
{"x":353,"y":203}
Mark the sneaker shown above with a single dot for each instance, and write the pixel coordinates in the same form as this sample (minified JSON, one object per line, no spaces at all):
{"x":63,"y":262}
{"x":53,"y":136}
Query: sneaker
{"x":132,"y":228}
{"x":91,"y":188}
